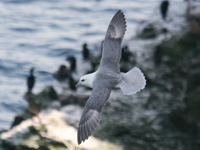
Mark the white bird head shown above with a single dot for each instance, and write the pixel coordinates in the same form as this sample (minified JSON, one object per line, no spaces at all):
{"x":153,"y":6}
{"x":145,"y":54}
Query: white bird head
{"x":86,"y":80}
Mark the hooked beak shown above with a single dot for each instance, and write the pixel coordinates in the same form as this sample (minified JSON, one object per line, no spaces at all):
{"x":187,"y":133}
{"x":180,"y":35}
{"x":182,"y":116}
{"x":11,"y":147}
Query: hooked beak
{"x":78,"y":84}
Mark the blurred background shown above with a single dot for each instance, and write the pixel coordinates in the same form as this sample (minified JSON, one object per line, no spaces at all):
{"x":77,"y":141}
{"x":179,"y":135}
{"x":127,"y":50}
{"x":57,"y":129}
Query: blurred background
{"x":44,"y":34}
{"x":40,"y":34}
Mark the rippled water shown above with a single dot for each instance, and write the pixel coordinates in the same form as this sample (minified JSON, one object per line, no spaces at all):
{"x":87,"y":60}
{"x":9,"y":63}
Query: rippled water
{"x":42,"y":33}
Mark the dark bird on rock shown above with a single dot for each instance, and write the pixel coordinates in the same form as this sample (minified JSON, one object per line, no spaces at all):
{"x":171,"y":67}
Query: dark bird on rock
{"x":30,"y":80}
{"x":164,"y":8}
{"x":85,"y":52}
{"x":126,"y":54}
{"x":62,"y":73}
{"x":72,"y":83}
{"x":72,"y":61}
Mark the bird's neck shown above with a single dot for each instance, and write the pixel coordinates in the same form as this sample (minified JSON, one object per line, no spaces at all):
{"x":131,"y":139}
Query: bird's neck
{"x":91,"y":79}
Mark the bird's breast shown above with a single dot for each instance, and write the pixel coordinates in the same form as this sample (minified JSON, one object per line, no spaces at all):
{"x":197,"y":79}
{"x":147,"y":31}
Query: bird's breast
{"x":106,"y":79}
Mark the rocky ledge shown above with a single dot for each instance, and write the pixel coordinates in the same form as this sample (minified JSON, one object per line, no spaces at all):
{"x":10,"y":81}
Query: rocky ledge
{"x":49,"y":131}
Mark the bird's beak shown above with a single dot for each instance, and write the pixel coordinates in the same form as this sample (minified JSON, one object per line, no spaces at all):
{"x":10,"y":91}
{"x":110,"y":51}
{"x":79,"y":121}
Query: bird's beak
{"x":78,"y":84}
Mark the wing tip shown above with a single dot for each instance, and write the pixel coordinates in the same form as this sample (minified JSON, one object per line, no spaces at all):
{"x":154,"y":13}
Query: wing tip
{"x":85,"y":129}
{"x":117,"y":26}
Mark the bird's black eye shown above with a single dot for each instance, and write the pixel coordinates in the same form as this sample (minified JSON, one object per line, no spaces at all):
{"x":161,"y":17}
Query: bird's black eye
{"x":82,"y":80}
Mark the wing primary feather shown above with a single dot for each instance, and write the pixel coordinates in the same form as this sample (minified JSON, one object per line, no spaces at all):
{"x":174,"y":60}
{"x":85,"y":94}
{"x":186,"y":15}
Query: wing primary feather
{"x":119,"y":24}
{"x":111,"y":54}
{"x":92,"y":112}
{"x":82,"y":133}
{"x":85,"y":129}
{"x":79,"y":136}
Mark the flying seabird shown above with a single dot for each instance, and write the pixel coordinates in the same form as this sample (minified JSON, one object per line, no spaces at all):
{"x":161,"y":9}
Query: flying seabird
{"x":107,"y":77}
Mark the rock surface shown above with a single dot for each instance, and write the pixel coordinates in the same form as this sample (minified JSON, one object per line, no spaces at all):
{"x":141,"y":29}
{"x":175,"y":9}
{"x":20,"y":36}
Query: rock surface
{"x":51,"y":133}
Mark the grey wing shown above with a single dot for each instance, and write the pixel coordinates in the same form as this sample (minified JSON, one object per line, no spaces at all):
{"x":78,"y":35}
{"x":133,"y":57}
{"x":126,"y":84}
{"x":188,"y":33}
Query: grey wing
{"x":92,"y":113}
{"x":112,"y":44}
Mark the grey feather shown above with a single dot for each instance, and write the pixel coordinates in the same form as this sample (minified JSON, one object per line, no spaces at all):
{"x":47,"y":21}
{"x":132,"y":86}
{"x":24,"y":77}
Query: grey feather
{"x":92,"y":112}
{"x":112,"y":44}
{"x":107,"y":77}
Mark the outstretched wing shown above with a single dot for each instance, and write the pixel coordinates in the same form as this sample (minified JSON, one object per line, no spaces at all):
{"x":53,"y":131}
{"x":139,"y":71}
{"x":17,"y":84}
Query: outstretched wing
{"x":112,"y":44}
{"x":92,"y":113}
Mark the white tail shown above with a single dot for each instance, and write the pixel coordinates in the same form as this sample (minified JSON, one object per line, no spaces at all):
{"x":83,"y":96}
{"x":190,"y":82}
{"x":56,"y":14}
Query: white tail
{"x":133,"y":81}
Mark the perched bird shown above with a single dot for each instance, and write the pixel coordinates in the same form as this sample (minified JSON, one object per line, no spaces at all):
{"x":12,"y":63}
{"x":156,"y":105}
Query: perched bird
{"x":107,"y":77}
{"x":30,"y":80}
{"x":85,"y":52}
{"x":72,"y":61}
{"x":72,"y":82}
{"x":126,"y":54}
{"x":62,"y":73}
{"x":164,"y":8}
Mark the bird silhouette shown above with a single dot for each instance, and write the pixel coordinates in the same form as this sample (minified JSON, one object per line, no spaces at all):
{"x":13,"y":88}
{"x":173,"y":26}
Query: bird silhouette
{"x":164,"y":8}
{"x":85,"y":52}
{"x":62,"y":73}
{"x":72,"y":83}
{"x":31,"y":80}
{"x":72,"y":61}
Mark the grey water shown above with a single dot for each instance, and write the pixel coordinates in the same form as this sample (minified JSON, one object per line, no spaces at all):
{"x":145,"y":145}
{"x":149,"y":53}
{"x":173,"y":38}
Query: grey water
{"x":41,"y":33}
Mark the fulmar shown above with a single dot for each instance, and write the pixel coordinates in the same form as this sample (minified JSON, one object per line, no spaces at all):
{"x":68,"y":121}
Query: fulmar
{"x":107,"y":77}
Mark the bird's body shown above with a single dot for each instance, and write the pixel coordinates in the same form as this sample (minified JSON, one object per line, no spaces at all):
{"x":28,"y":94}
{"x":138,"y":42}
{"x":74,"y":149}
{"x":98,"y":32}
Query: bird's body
{"x":62,"y":73}
{"x":107,"y":77}
{"x":72,"y":61}
{"x":72,"y":82}
{"x":164,"y":8}
{"x":30,"y":80}
{"x":85,"y":52}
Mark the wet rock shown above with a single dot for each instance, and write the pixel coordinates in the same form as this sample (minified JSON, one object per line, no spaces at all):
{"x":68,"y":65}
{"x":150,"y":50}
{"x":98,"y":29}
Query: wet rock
{"x":73,"y":98}
{"x":18,"y":119}
{"x":149,"y":31}
{"x":72,"y":114}
{"x":36,"y":103}
{"x":42,"y":100}
{"x":49,"y":94}
{"x":52,"y":134}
